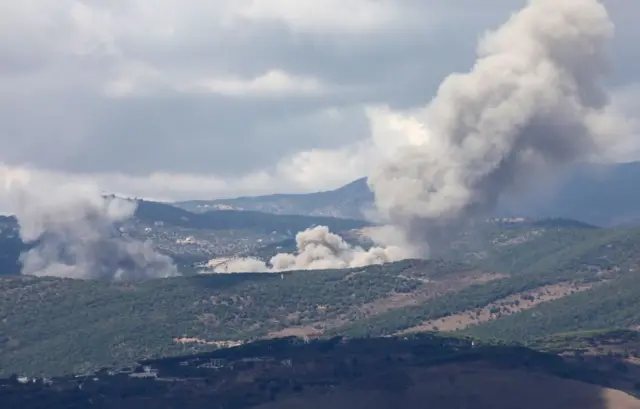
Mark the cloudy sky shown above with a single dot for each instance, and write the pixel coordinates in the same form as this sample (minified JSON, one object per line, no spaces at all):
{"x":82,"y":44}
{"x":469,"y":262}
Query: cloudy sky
{"x":176,"y":99}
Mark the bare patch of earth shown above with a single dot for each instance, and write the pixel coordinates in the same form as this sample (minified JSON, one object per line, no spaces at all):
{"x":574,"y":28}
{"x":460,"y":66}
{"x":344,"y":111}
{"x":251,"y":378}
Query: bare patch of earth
{"x":427,"y":291}
{"x":200,"y":341}
{"x":503,"y":307}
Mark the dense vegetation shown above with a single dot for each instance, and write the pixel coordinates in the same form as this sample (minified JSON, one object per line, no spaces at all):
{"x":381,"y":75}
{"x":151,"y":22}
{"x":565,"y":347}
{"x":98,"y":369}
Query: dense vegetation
{"x":534,"y":249}
{"x":534,"y":257}
{"x":57,"y":326}
{"x":614,"y":304}
{"x":604,"y":341}
{"x":446,"y":370}
{"x":54,"y":326}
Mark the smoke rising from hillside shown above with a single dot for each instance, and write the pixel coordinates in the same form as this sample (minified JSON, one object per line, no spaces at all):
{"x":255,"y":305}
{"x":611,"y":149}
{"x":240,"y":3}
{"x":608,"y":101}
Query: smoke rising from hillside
{"x":75,"y":233}
{"x":533,"y":103}
{"x":316,"y":249}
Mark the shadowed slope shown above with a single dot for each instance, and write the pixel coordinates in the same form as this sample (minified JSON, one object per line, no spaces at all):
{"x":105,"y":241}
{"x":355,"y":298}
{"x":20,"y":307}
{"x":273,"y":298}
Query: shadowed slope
{"x":463,"y":386}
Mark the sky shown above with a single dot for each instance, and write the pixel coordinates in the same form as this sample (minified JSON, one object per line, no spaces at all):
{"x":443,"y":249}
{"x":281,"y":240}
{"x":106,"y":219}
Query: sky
{"x":185,"y":99}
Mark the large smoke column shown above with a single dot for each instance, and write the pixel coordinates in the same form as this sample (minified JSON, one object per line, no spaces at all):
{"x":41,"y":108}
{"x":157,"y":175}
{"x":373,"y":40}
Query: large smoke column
{"x":317,"y":249}
{"x":533,"y":103}
{"x":74,"y":232}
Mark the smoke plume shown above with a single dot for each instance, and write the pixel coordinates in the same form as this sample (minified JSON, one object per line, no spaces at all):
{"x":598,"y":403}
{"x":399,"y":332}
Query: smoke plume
{"x":73,"y":230}
{"x":317,"y":249}
{"x":533,"y":103}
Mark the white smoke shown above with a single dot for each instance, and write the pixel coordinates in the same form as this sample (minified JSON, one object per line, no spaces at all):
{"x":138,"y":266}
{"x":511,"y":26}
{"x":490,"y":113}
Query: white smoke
{"x":317,"y":249}
{"x":74,"y":232}
{"x":533,"y":103}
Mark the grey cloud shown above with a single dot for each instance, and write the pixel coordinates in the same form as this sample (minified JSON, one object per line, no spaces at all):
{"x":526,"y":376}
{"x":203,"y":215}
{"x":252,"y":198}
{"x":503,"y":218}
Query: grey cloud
{"x":316,"y":249}
{"x":533,"y":103}
{"x":171,"y":133}
{"x":74,"y":234}
{"x":54,"y":115}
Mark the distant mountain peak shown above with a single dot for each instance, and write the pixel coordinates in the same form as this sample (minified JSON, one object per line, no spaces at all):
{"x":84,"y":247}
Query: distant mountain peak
{"x":603,"y":194}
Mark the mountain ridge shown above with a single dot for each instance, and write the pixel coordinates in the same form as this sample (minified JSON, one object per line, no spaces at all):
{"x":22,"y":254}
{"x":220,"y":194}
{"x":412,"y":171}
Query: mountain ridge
{"x":600,"y":194}
{"x":346,"y":201}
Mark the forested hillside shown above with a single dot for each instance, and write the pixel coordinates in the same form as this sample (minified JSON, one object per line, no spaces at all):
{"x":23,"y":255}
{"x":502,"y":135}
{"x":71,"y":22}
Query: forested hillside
{"x":521,"y":281}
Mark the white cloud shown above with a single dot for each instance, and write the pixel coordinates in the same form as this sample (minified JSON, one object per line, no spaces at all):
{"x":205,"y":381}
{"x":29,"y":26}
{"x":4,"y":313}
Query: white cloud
{"x":300,"y":172}
{"x":627,"y":100}
{"x":273,"y":83}
{"x":331,"y":16}
{"x":178,"y":99}
{"x":136,"y":79}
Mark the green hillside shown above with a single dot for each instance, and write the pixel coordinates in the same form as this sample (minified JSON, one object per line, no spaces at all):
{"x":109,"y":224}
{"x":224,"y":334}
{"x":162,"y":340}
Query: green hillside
{"x":614,"y":304}
{"x":550,"y":256}
{"x":59,"y":326}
